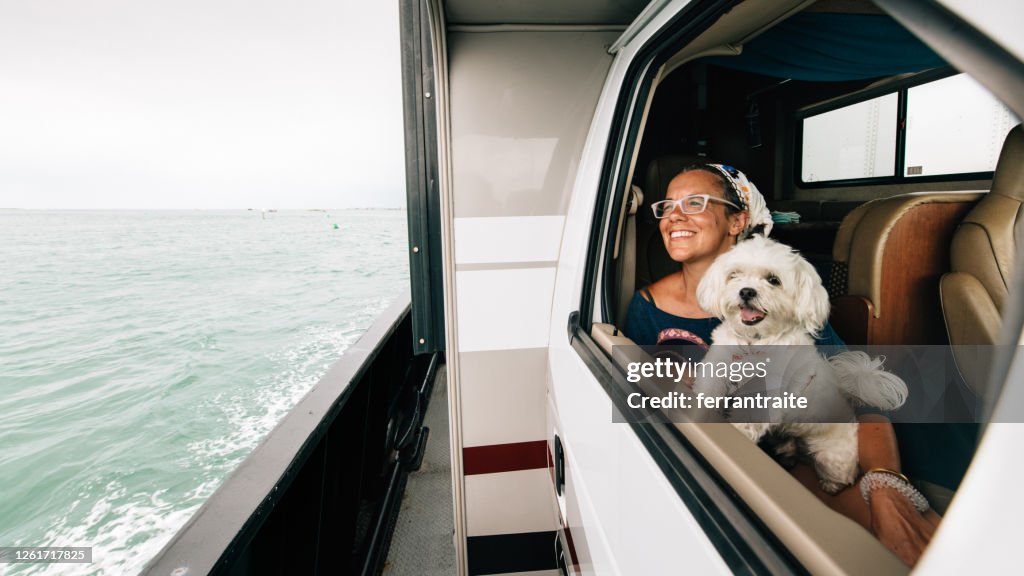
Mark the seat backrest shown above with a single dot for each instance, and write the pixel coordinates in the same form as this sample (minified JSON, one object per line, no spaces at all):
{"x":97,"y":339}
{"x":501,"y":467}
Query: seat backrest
{"x":894,"y":251}
{"x":983,"y":251}
{"x":985,"y":244}
{"x":653,"y":262}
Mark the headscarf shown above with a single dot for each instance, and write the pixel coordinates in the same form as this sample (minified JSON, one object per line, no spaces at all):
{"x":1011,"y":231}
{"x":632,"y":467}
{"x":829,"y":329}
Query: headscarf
{"x":750,"y":199}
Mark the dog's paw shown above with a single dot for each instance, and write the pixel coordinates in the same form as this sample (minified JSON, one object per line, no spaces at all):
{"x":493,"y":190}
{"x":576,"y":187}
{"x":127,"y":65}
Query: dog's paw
{"x":753,"y":431}
{"x":831,"y":487}
{"x":785,"y":451}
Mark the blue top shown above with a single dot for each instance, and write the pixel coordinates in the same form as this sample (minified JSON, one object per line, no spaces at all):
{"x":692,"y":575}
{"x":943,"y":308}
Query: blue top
{"x":646,"y":324}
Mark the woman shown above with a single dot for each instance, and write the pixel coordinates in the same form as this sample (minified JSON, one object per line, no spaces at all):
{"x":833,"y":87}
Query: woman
{"x":724,"y":207}
{"x":708,"y":208}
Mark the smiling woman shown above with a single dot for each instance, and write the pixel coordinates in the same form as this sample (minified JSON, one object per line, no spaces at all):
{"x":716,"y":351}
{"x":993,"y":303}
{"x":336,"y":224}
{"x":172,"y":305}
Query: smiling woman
{"x":199,"y":105}
{"x":694,"y":238}
{"x":707,"y":209}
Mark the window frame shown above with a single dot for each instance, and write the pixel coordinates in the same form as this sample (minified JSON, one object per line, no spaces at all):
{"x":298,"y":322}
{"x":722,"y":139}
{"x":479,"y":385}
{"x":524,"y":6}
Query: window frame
{"x":739,"y":535}
{"x":900,"y":87}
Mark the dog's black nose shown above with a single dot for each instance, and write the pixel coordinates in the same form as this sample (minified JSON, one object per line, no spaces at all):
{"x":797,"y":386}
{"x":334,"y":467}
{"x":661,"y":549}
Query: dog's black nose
{"x":748,"y":294}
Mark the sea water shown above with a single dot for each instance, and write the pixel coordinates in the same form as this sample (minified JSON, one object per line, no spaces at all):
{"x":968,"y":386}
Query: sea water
{"x":143,"y":355}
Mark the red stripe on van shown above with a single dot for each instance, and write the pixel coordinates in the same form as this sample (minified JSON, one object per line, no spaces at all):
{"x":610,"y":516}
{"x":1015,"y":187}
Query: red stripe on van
{"x":504,"y":457}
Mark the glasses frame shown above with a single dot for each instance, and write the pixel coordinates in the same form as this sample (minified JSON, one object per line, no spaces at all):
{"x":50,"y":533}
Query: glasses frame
{"x":674,"y":204}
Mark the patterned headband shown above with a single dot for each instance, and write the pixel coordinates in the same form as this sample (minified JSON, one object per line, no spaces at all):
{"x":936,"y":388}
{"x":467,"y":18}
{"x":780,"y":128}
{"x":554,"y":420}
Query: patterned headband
{"x":750,"y":199}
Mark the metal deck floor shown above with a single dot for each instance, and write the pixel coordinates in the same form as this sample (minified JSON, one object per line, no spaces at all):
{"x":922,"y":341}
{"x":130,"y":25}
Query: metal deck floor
{"x":422,"y":541}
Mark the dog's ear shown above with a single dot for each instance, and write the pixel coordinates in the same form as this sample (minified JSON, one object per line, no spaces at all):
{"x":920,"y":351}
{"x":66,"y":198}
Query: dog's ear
{"x":813,"y":298}
{"x":712,"y":287}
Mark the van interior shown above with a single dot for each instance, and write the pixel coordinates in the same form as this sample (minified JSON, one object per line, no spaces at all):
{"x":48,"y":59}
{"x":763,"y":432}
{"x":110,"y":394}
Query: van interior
{"x":902,"y":179}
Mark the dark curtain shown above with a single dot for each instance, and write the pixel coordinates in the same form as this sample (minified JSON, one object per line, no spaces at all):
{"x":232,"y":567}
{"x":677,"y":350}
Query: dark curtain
{"x":833,"y":47}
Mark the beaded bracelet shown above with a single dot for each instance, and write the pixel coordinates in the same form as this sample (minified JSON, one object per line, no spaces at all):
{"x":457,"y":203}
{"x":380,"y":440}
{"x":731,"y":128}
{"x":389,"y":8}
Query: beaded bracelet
{"x":882,"y":477}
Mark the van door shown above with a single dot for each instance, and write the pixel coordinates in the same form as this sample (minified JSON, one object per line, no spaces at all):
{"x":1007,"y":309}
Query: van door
{"x":635,"y":500}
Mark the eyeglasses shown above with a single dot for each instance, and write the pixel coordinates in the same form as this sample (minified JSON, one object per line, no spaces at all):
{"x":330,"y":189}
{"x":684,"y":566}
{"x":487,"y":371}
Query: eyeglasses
{"x":692,"y":204}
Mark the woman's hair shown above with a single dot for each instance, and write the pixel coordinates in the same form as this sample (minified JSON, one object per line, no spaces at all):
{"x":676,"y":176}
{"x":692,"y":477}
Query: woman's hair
{"x":728,"y":192}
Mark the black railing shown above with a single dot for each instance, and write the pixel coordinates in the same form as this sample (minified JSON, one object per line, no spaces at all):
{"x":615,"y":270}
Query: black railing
{"x":319,"y":495}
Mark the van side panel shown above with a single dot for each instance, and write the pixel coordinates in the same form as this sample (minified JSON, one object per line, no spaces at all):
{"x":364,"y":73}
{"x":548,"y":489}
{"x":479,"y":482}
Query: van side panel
{"x":620,"y":512}
{"x":521,"y":104}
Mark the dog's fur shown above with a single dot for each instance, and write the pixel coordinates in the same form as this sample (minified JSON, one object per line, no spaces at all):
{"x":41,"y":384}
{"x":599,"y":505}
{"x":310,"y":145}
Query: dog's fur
{"x":765,"y":293}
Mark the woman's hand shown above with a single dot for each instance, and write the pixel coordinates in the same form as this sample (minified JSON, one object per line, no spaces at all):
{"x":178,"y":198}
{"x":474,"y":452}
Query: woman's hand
{"x":899,"y":526}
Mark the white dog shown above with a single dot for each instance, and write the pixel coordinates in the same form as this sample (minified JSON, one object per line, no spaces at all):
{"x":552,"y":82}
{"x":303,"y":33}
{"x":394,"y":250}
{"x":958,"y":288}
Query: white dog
{"x":766,"y":294}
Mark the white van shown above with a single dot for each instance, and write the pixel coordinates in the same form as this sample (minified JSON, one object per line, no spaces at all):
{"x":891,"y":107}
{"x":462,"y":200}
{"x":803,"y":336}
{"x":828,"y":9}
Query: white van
{"x":554,"y":125}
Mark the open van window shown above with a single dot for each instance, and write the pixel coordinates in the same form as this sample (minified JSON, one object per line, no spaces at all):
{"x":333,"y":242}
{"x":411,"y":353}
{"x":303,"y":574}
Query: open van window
{"x":850,"y":143}
{"x":698,"y":108}
{"x":954,"y":126}
{"x":948,"y":128}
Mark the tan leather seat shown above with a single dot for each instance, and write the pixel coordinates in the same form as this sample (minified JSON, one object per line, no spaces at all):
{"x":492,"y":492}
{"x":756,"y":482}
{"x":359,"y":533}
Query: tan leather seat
{"x":893,"y":251}
{"x":983,"y":251}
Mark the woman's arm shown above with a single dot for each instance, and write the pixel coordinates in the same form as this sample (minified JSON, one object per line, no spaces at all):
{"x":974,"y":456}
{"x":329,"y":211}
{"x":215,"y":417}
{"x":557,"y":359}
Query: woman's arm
{"x":876,"y":443}
{"x":894,"y":520}
{"x":890,"y":516}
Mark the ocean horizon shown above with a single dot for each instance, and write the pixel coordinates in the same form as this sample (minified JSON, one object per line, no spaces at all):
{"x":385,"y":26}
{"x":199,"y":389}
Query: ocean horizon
{"x":146,"y":352}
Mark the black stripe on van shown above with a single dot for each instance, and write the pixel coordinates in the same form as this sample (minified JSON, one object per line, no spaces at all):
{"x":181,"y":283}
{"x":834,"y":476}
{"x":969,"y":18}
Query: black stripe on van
{"x":503,"y":553}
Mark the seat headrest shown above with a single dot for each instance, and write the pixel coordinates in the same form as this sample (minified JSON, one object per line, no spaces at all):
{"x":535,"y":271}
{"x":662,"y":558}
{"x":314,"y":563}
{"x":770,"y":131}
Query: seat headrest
{"x":1009,"y":177}
{"x":864,"y":235}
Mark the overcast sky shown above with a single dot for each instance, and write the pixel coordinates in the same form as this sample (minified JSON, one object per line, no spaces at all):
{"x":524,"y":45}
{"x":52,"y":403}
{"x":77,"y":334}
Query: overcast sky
{"x":200,"y":104}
